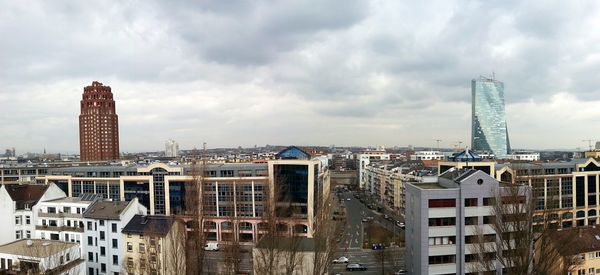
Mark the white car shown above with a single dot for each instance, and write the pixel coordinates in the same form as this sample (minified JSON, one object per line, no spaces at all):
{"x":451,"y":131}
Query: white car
{"x":340,"y":260}
{"x":348,"y":199}
{"x":211,"y":247}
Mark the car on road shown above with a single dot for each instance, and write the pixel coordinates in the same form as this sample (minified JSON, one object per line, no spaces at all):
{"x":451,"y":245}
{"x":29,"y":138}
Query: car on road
{"x":401,"y":272}
{"x":401,"y":224}
{"x":348,"y":199}
{"x":365,"y":220}
{"x":352,"y":267}
{"x":377,"y":246}
{"x":340,"y":260}
{"x":211,"y":247}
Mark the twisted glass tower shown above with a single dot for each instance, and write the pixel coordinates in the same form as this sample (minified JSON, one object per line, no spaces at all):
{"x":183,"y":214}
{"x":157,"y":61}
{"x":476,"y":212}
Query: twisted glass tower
{"x":488,"y":129}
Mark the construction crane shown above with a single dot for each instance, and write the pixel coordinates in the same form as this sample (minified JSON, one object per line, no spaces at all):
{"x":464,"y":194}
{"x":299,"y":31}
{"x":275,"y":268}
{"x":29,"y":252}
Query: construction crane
{"x":589,"y":141}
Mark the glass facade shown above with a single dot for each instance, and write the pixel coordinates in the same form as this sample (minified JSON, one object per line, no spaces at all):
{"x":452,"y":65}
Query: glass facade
{"x":489,"y":132}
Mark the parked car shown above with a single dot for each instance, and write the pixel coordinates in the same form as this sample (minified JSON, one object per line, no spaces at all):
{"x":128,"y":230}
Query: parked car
{"x":401,"y":224}
{"x":365,"y":220}
{"x":211,"y":247}
{"x":341,"y":260}
{"x":377,"y":246}
{"x":352,"y":267}
{"x":401,"y":272}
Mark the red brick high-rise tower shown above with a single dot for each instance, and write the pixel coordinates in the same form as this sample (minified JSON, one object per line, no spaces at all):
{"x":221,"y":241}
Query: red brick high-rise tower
{"x":98,"y":124}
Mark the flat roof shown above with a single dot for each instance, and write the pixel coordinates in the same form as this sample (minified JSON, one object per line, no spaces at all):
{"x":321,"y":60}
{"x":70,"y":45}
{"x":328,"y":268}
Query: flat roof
{"x":106,"y":210}
{"x":38,"y":248}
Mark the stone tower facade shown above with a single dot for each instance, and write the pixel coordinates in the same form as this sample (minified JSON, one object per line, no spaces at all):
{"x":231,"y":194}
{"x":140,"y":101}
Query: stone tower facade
{"x":98,"y":124}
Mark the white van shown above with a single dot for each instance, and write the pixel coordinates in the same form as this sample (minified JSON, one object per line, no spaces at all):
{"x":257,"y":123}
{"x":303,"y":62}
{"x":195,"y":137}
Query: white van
{"x":211,"y":247}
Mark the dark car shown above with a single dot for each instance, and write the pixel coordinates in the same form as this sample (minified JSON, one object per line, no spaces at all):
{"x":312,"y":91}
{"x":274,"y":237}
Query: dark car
{"x":352,"y":267}
{"x":377,"y":246}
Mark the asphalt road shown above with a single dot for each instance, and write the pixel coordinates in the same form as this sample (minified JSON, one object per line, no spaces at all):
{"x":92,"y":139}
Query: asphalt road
{"x":393,"y":261}
{"x":214,"y":262}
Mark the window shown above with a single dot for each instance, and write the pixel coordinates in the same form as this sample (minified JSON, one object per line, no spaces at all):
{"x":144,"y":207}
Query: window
{"x":114,"y":227}
{"x":102,"y":251}
{"x":90,"y":240}
{"x":142,"y":248}
{"x":101,"y":235}
{"x":129,"y":262}
{"x":142,"y":263}
{"x":18,"y":220}
{"x":27,"y":219}
{"x":471,"y":202}
{"x":52,"y":210}
{"x":129,"y":247}
{"x":89,"y":226}
{"x":115,"y":244}
{"x":18,"y":234}
{"x":442,"y":221}
{"x":28,"y":234}
{"x":437,"y":203}
{"x":442,"y":240}
{"x":446,"y":259}
{"x":471,"y":221}
{"x":115,"y":260}
{"x":489,"y":219}
{"x":90,"y":256}
{"x":101,"y":222}
{"x":102,"y":268}
{"x":489,"y":201}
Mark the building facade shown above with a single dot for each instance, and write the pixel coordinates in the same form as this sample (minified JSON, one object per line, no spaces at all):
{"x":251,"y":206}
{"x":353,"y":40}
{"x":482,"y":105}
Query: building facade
{"x":489,"y":132}
{"x":446,"y":219}
{"x":103,"y":241}
{"x":98,"y":124}
{"x":41,"y":257}
{"x":171,"y":149}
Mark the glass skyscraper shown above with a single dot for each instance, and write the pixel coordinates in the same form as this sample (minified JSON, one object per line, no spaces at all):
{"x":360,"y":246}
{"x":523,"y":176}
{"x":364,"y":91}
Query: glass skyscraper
{"x":488,"y":130}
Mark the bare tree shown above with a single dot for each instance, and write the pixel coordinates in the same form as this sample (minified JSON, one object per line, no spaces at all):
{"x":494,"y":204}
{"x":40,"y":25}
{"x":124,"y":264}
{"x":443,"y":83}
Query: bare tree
{"x":175,"y":245}
{"x":267,"y":255}
{"x":194,"y":212}
{"x":232,"y":249}
{"x":326,"y":229}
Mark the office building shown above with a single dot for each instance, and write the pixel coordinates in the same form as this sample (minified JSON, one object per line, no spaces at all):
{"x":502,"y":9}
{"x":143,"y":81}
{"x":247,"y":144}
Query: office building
{"x":489,"y":132}
{"x":98,"y":124}
{"x":103,"y":241}
{"x":444,"y":218}
{"x":171,"y":149}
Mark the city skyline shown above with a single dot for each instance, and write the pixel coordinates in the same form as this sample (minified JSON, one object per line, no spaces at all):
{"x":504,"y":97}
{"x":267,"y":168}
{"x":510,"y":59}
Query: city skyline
{"x":297,"y":73}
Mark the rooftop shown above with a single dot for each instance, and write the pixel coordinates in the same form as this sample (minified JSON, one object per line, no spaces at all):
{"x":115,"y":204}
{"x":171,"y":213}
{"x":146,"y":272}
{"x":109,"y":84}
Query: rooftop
{"x":83,"y":198}
{"x":149,"y":225}
{"x":38,"y":248}
{"x":580,"y":240}
{"x":23,"y":194}
{"x":106,"y":210}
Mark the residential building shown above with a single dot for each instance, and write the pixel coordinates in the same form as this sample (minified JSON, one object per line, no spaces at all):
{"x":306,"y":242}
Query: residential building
{"x":442,"y":221}
{"x":364,"y":159}
{"x":98,"y":124}
{"x":41,"y":257}
{"x":103,"y":241}
{"x":62,"y":219}
{"x":489,"y":132}
{"x":171,"y":149}
{"x":427,"y":155}
{"x":19,"y":208}
{"x":154,"y":245}
{"x":574,"y":251}
{"x":524,"y":156}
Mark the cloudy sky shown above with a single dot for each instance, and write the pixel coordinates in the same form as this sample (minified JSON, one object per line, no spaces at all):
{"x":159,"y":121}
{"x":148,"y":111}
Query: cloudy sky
{"x":240,"y":73}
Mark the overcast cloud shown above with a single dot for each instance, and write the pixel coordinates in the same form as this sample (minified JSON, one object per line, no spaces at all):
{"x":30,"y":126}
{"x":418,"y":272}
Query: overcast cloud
{"x":298,"y":72}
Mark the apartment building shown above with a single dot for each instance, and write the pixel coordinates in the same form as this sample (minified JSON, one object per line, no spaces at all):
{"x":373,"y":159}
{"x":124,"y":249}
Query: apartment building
{"x":19,"y":173}
{"x":427,"y":155}
{"x":364,"y":159}
{"x":153,"y":245}
{"x":442,"y":221}
{"x":41,"y":257}
{"x":19,"y":209}
{"x":103,"y":241}
{"x":62,"y":219}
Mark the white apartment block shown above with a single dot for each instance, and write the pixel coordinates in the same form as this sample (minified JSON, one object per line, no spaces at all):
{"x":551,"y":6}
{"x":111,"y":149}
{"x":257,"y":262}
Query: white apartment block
{"x":171,"y":149}
{"x":427,"y":155}
{"x":103,"y":241}
{"x":19,"y":209}
{"x":442,"y":219}
{"x":41,"y":257}
{"x":525,"y":156}
{"x":364,"y":159}
{"x":62,"y":219}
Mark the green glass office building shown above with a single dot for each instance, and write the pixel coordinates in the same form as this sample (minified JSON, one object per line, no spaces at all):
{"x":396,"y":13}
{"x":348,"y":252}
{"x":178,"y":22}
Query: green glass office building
{"x":489,"y":133}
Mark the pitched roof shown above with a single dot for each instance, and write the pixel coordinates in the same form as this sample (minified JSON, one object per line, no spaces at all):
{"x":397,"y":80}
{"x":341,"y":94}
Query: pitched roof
{"x":35,"y":248}
{"x":149,"y":225}
{"x":580,"y":240}
{"x":106,"y":210}
{"x":23,"y":194}
{"x":292,"y":152}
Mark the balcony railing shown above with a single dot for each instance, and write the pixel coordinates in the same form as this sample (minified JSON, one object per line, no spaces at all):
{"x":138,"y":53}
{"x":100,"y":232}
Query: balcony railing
{"x":59,"y":215}
{"x":59,"y":228}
